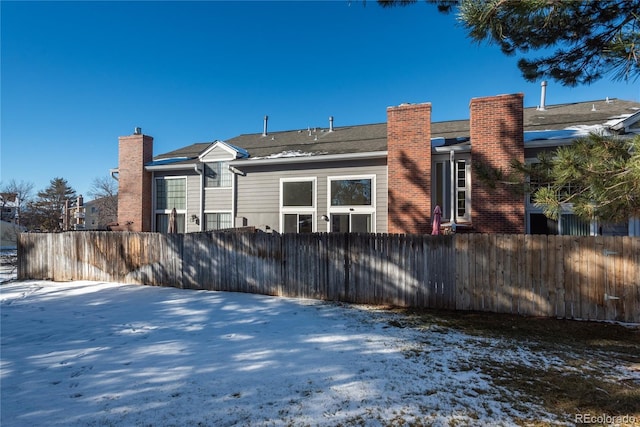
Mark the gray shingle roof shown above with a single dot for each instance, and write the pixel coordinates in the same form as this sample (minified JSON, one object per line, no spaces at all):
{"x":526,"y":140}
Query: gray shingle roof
{"x":373,"y":137}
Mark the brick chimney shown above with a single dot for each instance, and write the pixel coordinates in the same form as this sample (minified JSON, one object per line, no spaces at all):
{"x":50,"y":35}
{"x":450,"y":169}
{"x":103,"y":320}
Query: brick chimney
{"x":134,"y":183}
{"x":497,"y":137}
{"x":409,"y":168}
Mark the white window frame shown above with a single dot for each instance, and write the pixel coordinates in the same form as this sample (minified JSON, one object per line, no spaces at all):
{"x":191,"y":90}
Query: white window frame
{"x":353,"y":209}
{"x":157,"y":211}
{"x":208,"y":212}
{"x":304,"y":210}
{"x":443,"y":180}
{"x":224,"y":166}
{"x":466,"y":217}
{"x":450,"y":186}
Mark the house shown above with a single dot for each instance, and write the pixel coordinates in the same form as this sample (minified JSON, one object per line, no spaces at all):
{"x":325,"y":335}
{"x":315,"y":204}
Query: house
{"x":9,"y":232}
{"x":384,"y":178}
{"x":73,"y":215}
{"x":10,"y":207}
{"x":100,"y":212}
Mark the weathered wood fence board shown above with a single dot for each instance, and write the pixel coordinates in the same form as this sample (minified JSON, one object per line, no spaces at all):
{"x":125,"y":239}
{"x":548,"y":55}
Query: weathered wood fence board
{"x":596,"y":278}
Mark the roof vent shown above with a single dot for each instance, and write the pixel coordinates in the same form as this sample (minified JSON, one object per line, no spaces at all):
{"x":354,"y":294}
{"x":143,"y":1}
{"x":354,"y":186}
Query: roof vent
{"x":593,"y":107}
{"x":137,"y":131}
{"x":543,"y":96}
{"x":264,"y":130}
{"x":330,"y":123}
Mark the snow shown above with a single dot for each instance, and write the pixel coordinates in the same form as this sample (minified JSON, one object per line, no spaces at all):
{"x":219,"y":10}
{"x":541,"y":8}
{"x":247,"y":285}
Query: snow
{"x":92,"y":354}
{"x":571,"y":132}
{"x":291,"y":153}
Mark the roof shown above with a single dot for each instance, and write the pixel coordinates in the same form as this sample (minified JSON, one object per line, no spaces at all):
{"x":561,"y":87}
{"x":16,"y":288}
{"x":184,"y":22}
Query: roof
{"x":306,"y":142}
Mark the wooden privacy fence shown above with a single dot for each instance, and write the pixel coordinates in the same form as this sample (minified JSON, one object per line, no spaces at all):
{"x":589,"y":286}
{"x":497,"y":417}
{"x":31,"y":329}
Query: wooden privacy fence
{"x":595,"y":278}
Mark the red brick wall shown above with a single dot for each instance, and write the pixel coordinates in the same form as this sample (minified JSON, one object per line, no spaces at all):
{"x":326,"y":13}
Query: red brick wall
{"x":134,"y":183}
{"x":409,"y":168}
{"x":496,"y":138}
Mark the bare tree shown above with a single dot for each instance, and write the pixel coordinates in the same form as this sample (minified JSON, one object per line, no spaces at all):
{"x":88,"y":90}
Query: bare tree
{"x":19,"y":192}
{"x":104,"y":191}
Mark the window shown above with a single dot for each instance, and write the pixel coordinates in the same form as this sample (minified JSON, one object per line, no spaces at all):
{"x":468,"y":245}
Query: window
{"x":217,"y":221}
{"x":217,"y":175}
{"x":170,"y":193}
{"x":462,"y":193}
{"x":351,"y":223}
{"x":162,"y":222}
{"x":297,"y":193}
{"x":351,"y":192}
{"x":298,"y":223}
{"x":297,"y":205}
{"x":351,"y":204}
{"x":452,"y":189}
{"x":442,"y":188}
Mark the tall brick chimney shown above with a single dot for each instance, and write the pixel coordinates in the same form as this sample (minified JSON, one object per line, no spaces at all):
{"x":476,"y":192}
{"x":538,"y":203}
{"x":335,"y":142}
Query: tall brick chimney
{"x":409,"y":168}
{"x":134,"y":183}
{"x":497,"y":137}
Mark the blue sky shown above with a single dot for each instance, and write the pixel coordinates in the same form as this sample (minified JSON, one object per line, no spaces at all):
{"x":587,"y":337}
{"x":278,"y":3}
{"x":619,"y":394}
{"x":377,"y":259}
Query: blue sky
{"x":76,"y":75}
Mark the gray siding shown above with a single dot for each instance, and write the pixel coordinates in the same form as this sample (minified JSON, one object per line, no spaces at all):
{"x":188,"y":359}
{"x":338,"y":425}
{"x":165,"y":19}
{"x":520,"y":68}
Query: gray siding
{"x":258,"y":195}
{"x":218,"y":154}
{"x":218,"y":199}
{"x":194,"y":198}
{"x":193,"y":195}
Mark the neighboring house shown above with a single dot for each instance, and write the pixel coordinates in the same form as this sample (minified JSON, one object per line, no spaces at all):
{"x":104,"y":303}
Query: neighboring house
{"x":73,"y":215}
{"x":9,"y":203}
{"x":93,"y":215}
{"x":9,"y":234}
{"x":101,"y":212}
{"x":384,"y":178}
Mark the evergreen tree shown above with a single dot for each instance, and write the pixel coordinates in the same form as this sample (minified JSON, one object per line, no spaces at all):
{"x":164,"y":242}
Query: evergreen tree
{"x":45,"y":212}
{"x":598,"y":175}
{"x":580,"y":41}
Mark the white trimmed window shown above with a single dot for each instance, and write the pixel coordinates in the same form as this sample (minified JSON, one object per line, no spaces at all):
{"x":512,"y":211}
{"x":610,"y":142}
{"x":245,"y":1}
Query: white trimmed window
{"x":217,"y":221}
{"x":170,"y":193}
{"x":451,"y":181}
{"x":351,"y":203}
{"x":463,"y":190}
{"x":217,"y":175}
{"x":297,"y":205}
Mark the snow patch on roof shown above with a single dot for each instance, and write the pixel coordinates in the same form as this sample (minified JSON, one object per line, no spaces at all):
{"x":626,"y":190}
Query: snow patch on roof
{"x":167,"y":161}
{"x":241,"y":151}
{"x":618,"y":119}
{"x":437,"y":142}
{"x":571,"y":132}
{"x":291,"y":153}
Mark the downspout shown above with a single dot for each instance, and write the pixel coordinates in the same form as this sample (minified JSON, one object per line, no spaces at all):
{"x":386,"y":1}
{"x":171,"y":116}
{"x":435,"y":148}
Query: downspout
{"x":452,"y":167}
{"x":201,"y":213}
{"x":153,"y":200}
{"x":234,"y":185}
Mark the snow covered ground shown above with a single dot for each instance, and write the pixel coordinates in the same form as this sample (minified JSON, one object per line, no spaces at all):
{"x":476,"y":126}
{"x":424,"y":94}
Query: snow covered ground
{"x":107,"y":354}
{"x":104,"y":354}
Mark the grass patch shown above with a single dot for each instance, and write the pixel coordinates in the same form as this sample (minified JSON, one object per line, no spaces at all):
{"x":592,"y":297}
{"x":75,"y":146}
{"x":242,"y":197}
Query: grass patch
{"x":586,"y":381}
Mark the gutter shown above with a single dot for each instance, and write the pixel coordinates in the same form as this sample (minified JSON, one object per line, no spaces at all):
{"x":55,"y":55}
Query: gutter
{"x":310,"y":159}
{"x":452,"y":148}
{"x":181,"y":166}
{"x":199,"y":171}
